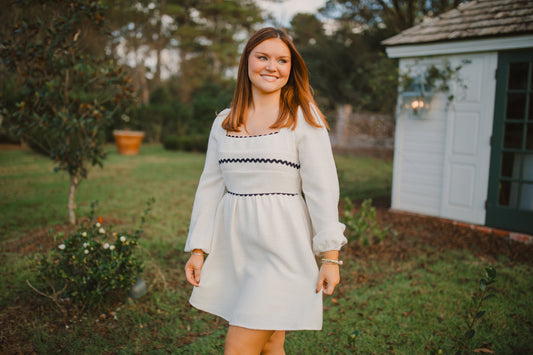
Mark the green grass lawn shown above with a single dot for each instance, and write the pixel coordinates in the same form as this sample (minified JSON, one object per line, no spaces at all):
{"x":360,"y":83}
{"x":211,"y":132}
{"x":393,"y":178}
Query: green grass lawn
{"x":410,"y":305}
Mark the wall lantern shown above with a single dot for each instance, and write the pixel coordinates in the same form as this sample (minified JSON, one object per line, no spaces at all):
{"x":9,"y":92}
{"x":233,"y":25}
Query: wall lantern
{"x":416,"y":100}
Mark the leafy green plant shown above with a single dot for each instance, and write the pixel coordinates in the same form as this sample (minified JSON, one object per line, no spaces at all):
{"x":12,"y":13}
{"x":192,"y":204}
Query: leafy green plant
{"x":434,"y":78}
{"x":362,"y":226}
{"x":475,"y":313}
{"x":92,"y":265}
{"x":70,"y":92}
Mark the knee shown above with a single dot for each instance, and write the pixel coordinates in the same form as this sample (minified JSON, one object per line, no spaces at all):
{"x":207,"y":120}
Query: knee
{"x":274,"y":345}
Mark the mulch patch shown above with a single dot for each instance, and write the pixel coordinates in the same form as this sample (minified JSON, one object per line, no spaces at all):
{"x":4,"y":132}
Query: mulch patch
{"x":415,"y":233}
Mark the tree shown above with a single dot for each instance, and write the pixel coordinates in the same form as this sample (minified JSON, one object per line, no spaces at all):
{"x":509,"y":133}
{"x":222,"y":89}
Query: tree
{"x":344,"y":67}
{"x":71,"y":90}
{"x":209,"y":38}
{"x":394,"y":15}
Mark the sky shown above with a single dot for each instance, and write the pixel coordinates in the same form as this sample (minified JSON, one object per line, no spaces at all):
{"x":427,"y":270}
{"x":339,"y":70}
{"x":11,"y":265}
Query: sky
{"x":284,"y":11}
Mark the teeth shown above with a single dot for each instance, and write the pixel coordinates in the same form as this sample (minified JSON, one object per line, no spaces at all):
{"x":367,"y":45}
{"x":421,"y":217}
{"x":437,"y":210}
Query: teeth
{"x":269,"y":77}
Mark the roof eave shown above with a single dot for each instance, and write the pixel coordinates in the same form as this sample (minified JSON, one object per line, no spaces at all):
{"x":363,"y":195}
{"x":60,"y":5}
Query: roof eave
{"x":472,"y":45}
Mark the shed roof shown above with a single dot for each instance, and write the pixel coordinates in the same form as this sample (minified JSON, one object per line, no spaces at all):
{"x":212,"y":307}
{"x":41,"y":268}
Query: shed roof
{"x":473,"y":20}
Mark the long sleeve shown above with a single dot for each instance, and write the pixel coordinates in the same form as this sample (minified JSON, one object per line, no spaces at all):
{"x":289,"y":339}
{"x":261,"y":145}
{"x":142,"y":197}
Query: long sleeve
{"x":320,"y":185}
{"x":210,"y":190}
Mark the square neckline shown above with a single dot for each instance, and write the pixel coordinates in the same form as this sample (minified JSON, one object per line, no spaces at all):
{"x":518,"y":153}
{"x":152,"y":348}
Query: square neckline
{"x":252,"y":136}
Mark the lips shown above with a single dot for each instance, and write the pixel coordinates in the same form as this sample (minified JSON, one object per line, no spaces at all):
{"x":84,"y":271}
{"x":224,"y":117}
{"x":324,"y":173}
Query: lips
{"x":269,"y":77}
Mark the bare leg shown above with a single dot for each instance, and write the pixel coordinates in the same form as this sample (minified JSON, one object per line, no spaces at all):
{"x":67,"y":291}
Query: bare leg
{"x":274,"y":345}
{"x":244,"y":341}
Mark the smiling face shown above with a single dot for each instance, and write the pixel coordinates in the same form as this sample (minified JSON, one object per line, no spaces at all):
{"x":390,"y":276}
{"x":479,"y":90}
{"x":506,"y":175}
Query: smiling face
{"x":269,"y":66}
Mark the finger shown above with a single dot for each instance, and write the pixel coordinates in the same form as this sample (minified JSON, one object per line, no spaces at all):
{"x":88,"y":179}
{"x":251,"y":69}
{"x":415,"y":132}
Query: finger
{"x":197,"y":275}
{"x":319,"y":284}
{"x":328,"y":288}
{"x":189,"y":273}
{"x":331,"y":286}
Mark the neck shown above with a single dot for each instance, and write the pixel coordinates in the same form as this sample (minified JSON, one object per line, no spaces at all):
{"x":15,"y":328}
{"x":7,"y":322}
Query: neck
{"x":265,"y":101}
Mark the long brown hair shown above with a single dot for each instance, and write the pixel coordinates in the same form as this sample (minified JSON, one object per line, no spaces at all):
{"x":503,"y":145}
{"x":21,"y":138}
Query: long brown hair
{"x":296,"y":93}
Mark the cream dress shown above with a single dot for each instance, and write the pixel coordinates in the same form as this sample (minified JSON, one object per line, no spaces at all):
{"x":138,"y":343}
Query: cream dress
{"x":259,"y":230}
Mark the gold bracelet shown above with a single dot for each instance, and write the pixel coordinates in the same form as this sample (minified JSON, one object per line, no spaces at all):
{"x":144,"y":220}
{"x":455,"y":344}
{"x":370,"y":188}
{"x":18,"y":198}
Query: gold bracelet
{"x":332,"y":261}
{"x":193,"y":253}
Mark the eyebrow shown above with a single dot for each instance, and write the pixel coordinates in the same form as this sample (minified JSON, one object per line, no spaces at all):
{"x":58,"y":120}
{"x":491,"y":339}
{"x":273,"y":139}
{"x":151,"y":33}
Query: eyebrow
{"x":283,"y":56}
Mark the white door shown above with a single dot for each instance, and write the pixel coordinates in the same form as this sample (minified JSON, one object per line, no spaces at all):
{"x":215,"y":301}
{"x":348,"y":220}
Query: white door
{"x":468,"y":132}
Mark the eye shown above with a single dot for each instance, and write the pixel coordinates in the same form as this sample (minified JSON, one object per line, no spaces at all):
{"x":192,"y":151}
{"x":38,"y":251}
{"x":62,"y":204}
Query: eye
{"x":262,"y":57}
{"x":282,"y":61}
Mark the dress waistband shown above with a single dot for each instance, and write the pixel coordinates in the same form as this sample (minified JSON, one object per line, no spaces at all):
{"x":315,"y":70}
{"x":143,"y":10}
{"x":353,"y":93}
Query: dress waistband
{"x":263,"y":194}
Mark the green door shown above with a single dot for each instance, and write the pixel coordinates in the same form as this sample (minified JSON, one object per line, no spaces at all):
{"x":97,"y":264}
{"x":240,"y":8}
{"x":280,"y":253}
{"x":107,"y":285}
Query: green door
{"x":510,"y":195}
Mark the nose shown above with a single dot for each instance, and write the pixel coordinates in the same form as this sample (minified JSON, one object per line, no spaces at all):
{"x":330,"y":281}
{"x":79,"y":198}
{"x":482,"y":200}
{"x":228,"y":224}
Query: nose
{"x":270,"y":65}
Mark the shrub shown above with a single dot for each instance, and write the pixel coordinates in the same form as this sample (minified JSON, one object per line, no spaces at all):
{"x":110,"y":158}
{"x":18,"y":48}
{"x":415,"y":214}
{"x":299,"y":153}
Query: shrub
{"x":92,"y":265}
{"x":171,"y":142}
{"x":197,"y":143}
{"x":362,"y":226}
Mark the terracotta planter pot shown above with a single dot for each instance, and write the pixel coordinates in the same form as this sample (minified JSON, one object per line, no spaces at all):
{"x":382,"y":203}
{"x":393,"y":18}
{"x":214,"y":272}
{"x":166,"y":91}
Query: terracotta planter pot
{"x":128,"y":142}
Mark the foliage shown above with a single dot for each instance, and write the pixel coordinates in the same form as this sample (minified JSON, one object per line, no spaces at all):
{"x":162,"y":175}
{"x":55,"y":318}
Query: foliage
{"x":349,"y":65}
{"x":394,"y":15}
{"x":206,"y":36}
{"x":475,"y":313}
{"x":70,"y":93}
{"x":434,"y":78}
{"x":196,"y":143}
{"x":93,"y":264}
{"x":362,"y":227}
{"x":167,"y":115}
{"x":346,"y":67}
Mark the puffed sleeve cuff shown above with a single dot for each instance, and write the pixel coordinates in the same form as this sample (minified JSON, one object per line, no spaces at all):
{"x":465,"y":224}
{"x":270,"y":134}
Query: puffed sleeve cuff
{"x":328,"y":240}
{"x":211,"y":189}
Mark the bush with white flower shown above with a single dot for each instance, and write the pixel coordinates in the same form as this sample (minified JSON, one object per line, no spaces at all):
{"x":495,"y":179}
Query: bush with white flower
{"x":93,"y":264}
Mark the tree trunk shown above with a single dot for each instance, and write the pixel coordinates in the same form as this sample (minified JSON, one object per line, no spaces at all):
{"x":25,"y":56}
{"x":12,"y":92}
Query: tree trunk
{"x":344,"y":112}
{"x":74,"y":181}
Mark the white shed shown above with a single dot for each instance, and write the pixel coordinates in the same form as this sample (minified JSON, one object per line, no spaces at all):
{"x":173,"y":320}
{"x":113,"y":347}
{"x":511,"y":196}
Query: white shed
{"x":470,"y":158}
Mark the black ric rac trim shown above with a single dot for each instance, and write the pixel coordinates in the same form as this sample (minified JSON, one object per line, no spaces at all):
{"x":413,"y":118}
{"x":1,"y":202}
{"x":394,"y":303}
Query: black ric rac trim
{"x":259,"y":160}
{"x":257,"y":135}
{"x":263,"y":194}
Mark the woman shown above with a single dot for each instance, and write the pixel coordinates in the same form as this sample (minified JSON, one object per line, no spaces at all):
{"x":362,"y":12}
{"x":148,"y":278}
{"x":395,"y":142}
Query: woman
{"x":249,"y":214}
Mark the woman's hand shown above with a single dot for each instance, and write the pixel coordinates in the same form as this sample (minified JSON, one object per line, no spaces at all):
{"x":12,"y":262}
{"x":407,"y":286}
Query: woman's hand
{"x":193,"y":268}
{"x":329,"y":275}
{"x":328,"y":278}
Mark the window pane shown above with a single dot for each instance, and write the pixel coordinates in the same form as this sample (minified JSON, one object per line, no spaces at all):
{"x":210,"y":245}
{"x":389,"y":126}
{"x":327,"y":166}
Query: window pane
{"x":510,"y":165}
{"x":530,"y":115}
{"x":531,"y":80}
{"x":526,"y":197}
{"x":518,"y":74}
{"x":529,"y":137}
{"x":513,"y":135}
{"x":516,"y":106}
{"x":527,"y":173}
{"x":508,"y":194}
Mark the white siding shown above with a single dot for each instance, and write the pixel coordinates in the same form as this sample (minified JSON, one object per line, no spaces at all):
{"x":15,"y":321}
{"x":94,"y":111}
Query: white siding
{"x":441,"y":164}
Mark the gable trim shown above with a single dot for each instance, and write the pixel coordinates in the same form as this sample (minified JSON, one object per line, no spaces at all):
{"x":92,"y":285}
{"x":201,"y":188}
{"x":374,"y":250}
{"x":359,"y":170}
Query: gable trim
{"x":455,"y":47}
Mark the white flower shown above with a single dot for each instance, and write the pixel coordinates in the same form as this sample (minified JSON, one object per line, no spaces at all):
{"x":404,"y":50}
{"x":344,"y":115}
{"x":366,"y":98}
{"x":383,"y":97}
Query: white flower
{"x":122,"y":239}
{"x":62,"y":246}
{"x":84,"y":234}
{"x":86,"y":251}
{"x":101,"y":230}
{"x":106,"y":245}
{"x":98,"y":225}
{"x":85,"y":245}
{"x":112,"y":247}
